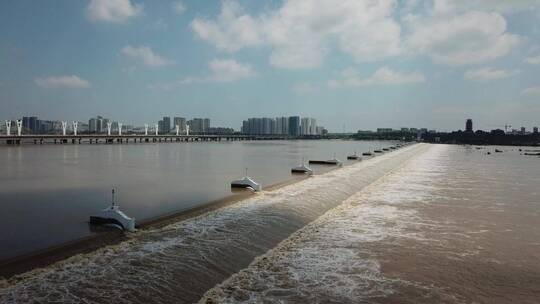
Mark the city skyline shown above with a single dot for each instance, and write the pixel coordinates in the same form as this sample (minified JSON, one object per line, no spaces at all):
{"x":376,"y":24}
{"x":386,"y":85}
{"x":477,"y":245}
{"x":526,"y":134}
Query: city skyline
{"x":230,"y":60}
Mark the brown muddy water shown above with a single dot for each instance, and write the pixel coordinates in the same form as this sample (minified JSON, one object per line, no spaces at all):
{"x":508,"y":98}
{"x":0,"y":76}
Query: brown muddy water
{"x":453,"y":225}
{"x":180,"y":262}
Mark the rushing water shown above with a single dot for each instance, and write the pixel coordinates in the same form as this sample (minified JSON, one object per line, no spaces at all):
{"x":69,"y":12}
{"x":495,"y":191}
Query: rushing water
{"x":178,"y":263}
{"x":424,"y":224}
{"x":48,"y":192}
{"x":454,"y":225}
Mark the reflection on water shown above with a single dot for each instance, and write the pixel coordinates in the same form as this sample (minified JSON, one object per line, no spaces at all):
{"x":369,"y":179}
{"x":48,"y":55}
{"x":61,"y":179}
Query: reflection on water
{"x":47,"y":192}
{"x":453,"y":226}
{"x":178,"y":263}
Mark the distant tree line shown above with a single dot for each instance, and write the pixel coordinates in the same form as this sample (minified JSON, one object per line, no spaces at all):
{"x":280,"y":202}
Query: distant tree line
{"x":494,"y":137}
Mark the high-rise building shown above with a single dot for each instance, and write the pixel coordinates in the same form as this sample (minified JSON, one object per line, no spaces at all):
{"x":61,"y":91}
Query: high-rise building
{"x":160,"y":126}
{"x":92,"y":125}
{"x":34,"y":124}
{"x":105,"y":125}
{"x":523,"y":131}
{"x":181,"y":123}
{"x":535,"y":130}
{"x":304,"y":126}
{"x":294,"y":126}
{"x":26,"y":124}
{"x":284,"y":125}
{"x":166,"y":125}
{"x":313,"y":126}
{"x":245,"y":127}
{"x":100,"y":125}
{"x":206,"y":125}
{"x":468,"y":125}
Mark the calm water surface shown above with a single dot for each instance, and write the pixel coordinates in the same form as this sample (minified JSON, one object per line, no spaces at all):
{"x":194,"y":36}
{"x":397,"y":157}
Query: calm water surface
{"x":48,"y":192}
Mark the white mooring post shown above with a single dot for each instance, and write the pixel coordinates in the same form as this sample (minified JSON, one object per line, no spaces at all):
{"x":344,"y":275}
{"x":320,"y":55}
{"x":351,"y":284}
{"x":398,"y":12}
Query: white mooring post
{"x":177,"y":129}
{"x":109,"y":126}
{"x":19,"y":127}
{"x":156,"y":128}
{"x":120,"y":128}
{"x":8,"y":127}
{"x":187,"y":130}
{"x":146,"y":129}
{"x":75,"y":125}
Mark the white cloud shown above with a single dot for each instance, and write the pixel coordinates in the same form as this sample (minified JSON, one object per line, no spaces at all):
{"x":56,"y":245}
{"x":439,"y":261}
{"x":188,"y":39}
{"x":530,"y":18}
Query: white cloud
{"x":535,"y":60}
{"x":383,"y":76}
{"x":179,"y":7}
{"x":145,"y":55}
{"x":114,"y":11}
{"x":468,"y":38}
{"x":531,"y":91}
{"x":229,"y":70}
{"x":300,"y":32}
{"x":232,"y":31}
{"x":222,"y":70}
{"x":502,"y":6}
{"x":487,"y":74}
{"x":59,"y":82}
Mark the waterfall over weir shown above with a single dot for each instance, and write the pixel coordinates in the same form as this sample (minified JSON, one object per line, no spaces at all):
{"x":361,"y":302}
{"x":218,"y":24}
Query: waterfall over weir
{"x":179,"y":262}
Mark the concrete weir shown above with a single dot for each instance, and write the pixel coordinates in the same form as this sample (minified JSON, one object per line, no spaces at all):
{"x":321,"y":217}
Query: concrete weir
{"x":178,"y":263}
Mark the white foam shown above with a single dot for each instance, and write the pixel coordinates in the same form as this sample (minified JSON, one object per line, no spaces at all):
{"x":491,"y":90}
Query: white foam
{"x":330,"y":259}
{"x":151,"y":259}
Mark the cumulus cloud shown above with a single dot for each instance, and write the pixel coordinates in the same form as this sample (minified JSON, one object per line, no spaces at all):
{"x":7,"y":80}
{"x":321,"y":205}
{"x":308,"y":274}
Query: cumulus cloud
{"x":179,"y":7}
{"x":468,"y":38}
{"x":383,"y":76}
{"x":231,"y":31}
{"x":221,"y":70}
{"x":145,"y":56}
{"x":502,"y":6}
{"x":535,"y":60}
{"x":487,"y":74}
{"x":531,"y":91}
{"x":59,"y":82}
{"x":229,"y":70}
{"x":301,"y":32}
{"x":114,"y":11}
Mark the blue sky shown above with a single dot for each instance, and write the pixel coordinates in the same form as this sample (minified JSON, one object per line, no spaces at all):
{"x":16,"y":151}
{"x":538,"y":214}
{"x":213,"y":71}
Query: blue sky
{"x":353,"y":63}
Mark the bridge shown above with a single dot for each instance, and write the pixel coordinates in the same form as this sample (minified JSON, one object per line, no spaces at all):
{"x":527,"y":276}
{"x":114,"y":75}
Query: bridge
{"x":126,"y":138}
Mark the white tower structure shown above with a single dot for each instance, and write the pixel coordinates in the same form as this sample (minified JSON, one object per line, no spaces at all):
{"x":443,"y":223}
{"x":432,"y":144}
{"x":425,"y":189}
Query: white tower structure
{"x":8,"y":127}
{"x":156,"y":128}
{"x":146,"y":129}
{"x":75,"y":125}
{"x":187,"y":130}
{"x":120,"y":128}
{"x":19,"y":127}
{"x":109,"y":126}
{"x":177,"y":129}
{"x":64,"y":127}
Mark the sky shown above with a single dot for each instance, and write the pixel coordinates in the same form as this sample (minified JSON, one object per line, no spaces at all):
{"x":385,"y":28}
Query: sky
{"x":351,"y":64}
